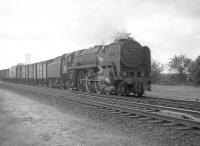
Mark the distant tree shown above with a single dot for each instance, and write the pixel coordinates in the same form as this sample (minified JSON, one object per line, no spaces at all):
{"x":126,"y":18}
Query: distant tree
{"x":194,"y":70}
{"x":180,"y":65}
{"x":156,"y":69}
{"x":191,"y":70}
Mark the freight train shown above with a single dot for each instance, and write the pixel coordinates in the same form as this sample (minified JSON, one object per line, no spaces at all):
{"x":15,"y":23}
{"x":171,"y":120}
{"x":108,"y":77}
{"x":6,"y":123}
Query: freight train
{"x":122,"y":67}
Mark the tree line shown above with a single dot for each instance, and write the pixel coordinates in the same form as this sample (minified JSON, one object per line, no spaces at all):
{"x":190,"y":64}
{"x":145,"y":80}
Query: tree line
{"x":182,"y":70}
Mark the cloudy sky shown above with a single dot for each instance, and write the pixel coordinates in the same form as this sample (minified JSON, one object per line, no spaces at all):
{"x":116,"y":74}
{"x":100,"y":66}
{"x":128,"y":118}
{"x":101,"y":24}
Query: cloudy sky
{"x":48,"y":28}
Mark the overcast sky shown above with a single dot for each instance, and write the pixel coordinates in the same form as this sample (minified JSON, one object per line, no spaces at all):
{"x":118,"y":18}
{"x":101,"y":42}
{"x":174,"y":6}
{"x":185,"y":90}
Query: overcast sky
{"x":48,"y":28}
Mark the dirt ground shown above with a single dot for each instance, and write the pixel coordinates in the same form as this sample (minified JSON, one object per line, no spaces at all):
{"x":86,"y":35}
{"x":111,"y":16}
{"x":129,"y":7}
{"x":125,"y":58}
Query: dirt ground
{"x":175,"y":92}
{"x":27,"y":122}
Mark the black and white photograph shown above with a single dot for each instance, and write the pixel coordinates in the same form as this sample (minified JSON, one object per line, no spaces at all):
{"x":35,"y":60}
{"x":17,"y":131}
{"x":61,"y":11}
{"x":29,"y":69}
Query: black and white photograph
{"x":99,"y":73}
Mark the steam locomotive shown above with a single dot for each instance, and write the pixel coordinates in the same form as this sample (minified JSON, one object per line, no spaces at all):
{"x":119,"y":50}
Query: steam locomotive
{"x":122,"y":67}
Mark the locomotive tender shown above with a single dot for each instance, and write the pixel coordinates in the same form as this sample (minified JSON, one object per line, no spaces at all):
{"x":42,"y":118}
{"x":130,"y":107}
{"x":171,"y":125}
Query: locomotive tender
{"x":122,"y":67}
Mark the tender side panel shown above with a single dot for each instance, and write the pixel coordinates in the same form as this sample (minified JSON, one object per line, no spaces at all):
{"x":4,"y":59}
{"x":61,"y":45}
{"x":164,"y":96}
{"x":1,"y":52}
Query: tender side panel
{"x":53,"y":70}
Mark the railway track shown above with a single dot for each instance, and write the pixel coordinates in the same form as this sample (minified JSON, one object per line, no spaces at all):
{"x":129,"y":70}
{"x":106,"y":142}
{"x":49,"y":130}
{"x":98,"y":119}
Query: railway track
{"x":183,"y":104}
{"x":167,"y":115}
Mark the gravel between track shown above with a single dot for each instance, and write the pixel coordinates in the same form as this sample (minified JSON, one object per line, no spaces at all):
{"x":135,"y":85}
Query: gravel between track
{"x":131,"y":131}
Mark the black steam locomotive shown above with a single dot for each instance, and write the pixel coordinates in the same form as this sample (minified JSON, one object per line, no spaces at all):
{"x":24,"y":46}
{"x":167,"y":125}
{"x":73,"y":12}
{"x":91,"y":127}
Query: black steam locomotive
{"x":122,"y":67}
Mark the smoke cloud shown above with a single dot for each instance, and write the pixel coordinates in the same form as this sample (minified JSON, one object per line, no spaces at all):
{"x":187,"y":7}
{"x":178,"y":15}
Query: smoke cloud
{"x":95,"y":27}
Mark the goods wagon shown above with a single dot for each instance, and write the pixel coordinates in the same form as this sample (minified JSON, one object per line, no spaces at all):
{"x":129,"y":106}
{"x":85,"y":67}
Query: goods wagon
{"x":31,"y":70}
{"x":35,"y":71}
{"x":19,"y":71}
{"x":26,"y":71}
{"x":41,"y":72}
{"x":23,"y":72}
{"x":12,"y":72}
{"x":4,"y":74}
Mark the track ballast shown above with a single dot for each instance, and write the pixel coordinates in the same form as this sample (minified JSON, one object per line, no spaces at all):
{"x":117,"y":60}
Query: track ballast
{"x":156,"y":110}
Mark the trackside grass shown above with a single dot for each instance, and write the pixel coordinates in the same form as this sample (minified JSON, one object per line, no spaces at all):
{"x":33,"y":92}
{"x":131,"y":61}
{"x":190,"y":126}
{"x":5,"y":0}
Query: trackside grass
{"x":175,"y":92}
